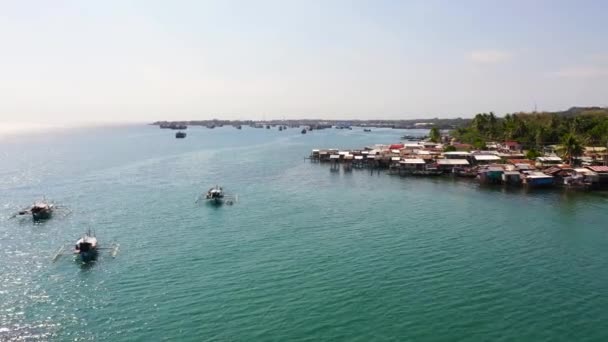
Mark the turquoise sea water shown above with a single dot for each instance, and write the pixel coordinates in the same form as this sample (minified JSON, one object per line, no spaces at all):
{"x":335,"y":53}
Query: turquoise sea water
{"x":304,"y":255}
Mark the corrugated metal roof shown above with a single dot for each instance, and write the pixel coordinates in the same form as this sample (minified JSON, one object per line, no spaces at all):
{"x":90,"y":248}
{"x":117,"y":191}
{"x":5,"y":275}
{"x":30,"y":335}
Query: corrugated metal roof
{"x":552,"y":170}
{"x":456,"y":153}
{"x":546,"y":159}
{"x":585,"y":171}
{"x":598,"y":168}
{"x":511,"y":155}
{"x":538,"y":175}
{"x":334,"y":156}
{"x":395,"y":158}
{"x":486,"y":157}
{"x":412,"y":161}
{"x":595,"y":149}
{"x":452,"y":162}
{"x":358,"y":157}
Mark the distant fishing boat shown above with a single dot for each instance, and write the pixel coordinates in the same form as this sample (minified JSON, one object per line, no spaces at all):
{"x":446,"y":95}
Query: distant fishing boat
{"x":280,"y":128}
{"x":86,"y":247}
{"x":180,"y":135}
{"x":238,"y":127}
{"x":40,"y":210}
{"x":367,"y":130}
{"x":217,"y":196}
{"x":304,"y":131}
{"x":267,"y":126}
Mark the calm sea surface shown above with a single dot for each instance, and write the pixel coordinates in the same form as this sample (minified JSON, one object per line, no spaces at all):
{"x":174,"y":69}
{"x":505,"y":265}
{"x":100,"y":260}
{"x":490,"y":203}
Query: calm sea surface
{"x":305,"y":254}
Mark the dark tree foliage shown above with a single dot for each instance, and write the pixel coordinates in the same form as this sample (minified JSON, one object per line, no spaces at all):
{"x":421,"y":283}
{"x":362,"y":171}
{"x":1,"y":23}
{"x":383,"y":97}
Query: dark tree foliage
{"x":570,"y":129}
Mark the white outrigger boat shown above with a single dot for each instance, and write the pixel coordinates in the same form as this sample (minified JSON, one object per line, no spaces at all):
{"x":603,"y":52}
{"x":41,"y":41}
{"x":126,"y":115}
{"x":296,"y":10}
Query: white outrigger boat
{"x":87,"y":248}
{"x":217,"y":196}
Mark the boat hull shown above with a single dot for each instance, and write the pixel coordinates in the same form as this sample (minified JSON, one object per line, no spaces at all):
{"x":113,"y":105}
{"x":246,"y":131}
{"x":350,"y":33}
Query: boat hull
{"x":42,"y":215}
{"x":215,"y":201}
{"x":88,"y":256}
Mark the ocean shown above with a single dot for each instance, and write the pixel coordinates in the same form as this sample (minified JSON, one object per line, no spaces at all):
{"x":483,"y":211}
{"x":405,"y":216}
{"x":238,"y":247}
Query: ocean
{"x":304,"y":255}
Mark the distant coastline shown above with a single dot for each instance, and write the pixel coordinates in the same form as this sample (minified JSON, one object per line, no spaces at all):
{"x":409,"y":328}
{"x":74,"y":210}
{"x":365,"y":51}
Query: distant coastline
{"x":397,"y":124}
{"x":424,"y":123}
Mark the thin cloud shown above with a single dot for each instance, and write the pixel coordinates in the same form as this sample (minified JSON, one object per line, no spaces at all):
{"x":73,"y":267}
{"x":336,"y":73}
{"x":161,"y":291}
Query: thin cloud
{"x":490,"y":56}
{"x":583,"y":72}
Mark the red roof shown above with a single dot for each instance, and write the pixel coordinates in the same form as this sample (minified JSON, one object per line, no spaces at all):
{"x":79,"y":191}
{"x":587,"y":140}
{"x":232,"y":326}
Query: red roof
{"x":396,"y":147}
{"x":511,"y":143}
{"x":598,"y":168}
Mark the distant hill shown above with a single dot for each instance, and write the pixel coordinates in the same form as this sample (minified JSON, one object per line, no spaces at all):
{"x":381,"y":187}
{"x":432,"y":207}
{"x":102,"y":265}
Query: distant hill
{"x":575,"y":111}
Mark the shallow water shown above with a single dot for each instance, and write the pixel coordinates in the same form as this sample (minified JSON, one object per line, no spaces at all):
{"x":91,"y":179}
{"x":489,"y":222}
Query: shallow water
{"x":305,"y":254}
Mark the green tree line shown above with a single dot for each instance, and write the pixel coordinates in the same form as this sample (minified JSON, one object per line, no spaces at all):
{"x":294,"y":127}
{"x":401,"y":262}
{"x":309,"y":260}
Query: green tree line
{"x":570,"y":130}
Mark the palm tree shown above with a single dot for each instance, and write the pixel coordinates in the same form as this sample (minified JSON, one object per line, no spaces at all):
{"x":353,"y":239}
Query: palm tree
{"x":491,"y":118}
{"x":571,"y":147}
{"x":435,"y":135}
{"x":479,"y":123}
{"x":508,"y":127}
{"x":539,"y":137}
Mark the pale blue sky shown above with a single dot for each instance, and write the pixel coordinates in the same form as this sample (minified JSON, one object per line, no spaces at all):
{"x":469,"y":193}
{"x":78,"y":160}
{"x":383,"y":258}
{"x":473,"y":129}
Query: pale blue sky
{"x":79,"y":61}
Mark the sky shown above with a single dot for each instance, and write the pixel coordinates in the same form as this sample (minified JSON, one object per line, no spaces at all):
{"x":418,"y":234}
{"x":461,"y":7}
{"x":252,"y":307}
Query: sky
{"x":139,"y":61}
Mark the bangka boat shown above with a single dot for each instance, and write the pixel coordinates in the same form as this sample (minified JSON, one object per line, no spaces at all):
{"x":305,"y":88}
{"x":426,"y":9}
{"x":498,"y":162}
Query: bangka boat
{"x":40,"y":210}
{"x":180,"y":135}
{"x":86,"y":249}
{"x":367,"y":130}
{"x":216,"y":195}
